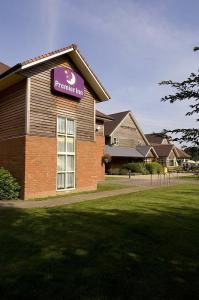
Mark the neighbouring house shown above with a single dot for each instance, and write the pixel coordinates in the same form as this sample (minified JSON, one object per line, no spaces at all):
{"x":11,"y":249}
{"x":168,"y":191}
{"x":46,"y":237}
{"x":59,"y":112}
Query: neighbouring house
{"x":169,"y":155}
{"x":99,"y":131}
{"x":125,"y":142}
{"x":182,"y":156}
{"x":48,"y":124}
{"x":3,"y":67}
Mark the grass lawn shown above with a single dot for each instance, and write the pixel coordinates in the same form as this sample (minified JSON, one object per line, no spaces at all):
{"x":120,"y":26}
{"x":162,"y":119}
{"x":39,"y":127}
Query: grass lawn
{"x":109,"y":177}
{"x":191,"y":177}
{"x":101,"y":187}
{"x":107,"y":186}
{"x":138,"y":246}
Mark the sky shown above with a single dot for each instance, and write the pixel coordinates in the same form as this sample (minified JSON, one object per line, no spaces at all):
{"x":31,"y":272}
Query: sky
{"x":131,"y":45}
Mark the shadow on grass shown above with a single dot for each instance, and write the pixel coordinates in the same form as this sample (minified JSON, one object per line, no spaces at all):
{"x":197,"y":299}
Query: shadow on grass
{"x":86,"y":253}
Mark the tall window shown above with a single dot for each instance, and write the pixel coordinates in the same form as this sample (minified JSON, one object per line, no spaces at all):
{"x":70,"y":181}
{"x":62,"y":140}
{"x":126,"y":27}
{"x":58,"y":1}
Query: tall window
{"x":65,"y":153}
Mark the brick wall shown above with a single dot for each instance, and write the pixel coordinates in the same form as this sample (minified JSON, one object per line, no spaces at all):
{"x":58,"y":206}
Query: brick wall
{"x":32,"y":160}
{"x":12,"y":157}
{"x":41,"y":159}
{"x":40,"y":166}
{"x":89,"y":167}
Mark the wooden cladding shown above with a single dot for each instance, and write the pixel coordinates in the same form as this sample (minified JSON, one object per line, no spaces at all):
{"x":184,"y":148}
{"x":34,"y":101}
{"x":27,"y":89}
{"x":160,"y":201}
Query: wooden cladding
{"x":45,"y":105}
{"x":12,"y":111}
{"x":127,"y":134}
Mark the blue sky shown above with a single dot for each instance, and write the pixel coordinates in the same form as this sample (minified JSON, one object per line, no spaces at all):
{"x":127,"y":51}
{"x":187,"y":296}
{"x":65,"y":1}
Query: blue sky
{"x":131,"y":46}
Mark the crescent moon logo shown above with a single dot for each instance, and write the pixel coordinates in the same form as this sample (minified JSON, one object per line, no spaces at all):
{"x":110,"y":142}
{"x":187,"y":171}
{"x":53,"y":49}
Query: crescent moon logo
{"x":70,"y":77}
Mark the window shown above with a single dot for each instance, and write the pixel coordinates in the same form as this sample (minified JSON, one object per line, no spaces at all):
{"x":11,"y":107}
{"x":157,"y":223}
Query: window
{"x":115,"y":141}
{"x":65,"y":153}
{"x":172,"y":162}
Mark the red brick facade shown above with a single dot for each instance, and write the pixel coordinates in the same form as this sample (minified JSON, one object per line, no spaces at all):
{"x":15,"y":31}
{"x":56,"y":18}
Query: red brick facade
{"x":33,"y":161}
{"x":40,"y":166}
{"x":89,"y":167}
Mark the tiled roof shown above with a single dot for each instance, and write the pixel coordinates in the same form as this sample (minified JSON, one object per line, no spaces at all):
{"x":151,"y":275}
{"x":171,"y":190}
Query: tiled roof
{"x":34,"y":59}
{"x":163,"y":150}
{"x":181,"y":153}
{"x":77,"y":58}
{"x":109,"y":127}
{"x":101,"y":115}
{"x":3,"y":67}
{"x":155,"y":138}
{"x":117,"y":151}
{"x":144,"y":150}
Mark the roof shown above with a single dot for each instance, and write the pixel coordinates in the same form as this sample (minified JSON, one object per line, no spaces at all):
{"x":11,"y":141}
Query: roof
{"x":145,"y":149}
{"x":75,"y":56}
{"x":3,"y":67}
{"x":122,"y":152}
{"x":181,"y":153}
{"x":109,"y":127}
{"x":155,"y":138}
{"x":102,"y":116}
{"x":49,"y":54}
{"x":117,"y":119}
{"x":163,"y":150}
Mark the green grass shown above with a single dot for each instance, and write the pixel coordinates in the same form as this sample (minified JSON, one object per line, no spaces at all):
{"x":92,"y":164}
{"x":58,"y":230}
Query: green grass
{"x":107,"y":186}
{"x":191,"y":177}
{"x":101,"y":187}
{"x":109,"y":177}
{"x":138,"y":246}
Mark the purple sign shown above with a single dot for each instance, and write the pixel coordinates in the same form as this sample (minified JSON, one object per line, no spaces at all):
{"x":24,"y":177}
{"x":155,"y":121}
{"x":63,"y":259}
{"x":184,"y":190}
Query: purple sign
{"x":68,"y":82}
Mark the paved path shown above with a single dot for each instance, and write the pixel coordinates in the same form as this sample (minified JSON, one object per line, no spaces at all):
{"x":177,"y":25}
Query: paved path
{"x":133,"y":186}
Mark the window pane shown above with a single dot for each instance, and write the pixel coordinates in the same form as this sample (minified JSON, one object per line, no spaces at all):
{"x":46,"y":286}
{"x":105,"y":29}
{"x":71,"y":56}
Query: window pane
{"x":61,"y":163}
{"x":61,"y":125}
{"x":61,"y":144}
{"x":70,"y":127}
{"x":70,"y":180}
{"x":70,"y":163}
{"x":70,"y":144}
{"x":61,"y":181}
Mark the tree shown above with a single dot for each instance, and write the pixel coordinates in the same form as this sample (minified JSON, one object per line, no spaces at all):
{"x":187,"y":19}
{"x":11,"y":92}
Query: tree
{"x":185,"y":90}
{"x":193,"y":152}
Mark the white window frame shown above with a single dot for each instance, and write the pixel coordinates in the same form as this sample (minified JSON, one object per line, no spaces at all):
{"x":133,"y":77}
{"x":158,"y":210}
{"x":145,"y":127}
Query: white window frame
{"x":172,"y":162}
{"x":66,"y":153}
{"x":115,"y":141}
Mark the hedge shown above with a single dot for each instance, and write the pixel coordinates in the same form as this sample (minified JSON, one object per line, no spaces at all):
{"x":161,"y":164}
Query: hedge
{"x":9,"y":188}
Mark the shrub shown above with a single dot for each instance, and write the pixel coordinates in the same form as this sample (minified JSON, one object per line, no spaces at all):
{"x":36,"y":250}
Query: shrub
{"x":123,"y":171}
{"x":154,"y":167}
{"x":135,"y":167}
{"x":114,"y":171}
{"x":9,"y":188}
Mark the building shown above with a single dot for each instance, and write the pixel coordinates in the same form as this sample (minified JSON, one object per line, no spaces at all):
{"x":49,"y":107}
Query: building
{"x":48,"y":137}
{"x":125,"y":141}
{"x":169,"y":155}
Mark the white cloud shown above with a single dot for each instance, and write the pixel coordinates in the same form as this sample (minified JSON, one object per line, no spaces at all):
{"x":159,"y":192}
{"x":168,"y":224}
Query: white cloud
{"x":51,"y":12}
{"x":134,"y":47}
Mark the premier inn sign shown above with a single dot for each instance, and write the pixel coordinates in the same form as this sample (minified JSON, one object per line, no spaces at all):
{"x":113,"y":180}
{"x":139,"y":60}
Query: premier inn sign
{"x":66,"y":81}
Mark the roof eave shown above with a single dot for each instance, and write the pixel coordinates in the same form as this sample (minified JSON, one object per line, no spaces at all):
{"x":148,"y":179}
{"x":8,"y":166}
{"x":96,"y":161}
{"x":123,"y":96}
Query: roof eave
{"x":89,"y":75}
{"x":79,"y":62}
{"x":103,"y":119}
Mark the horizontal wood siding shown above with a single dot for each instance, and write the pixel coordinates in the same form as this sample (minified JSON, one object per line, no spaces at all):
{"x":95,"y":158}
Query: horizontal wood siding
{"x":45,"y":106}
{"x":127,"y":134}
{"x":12,"y":111}
{"x":172,"y":155}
